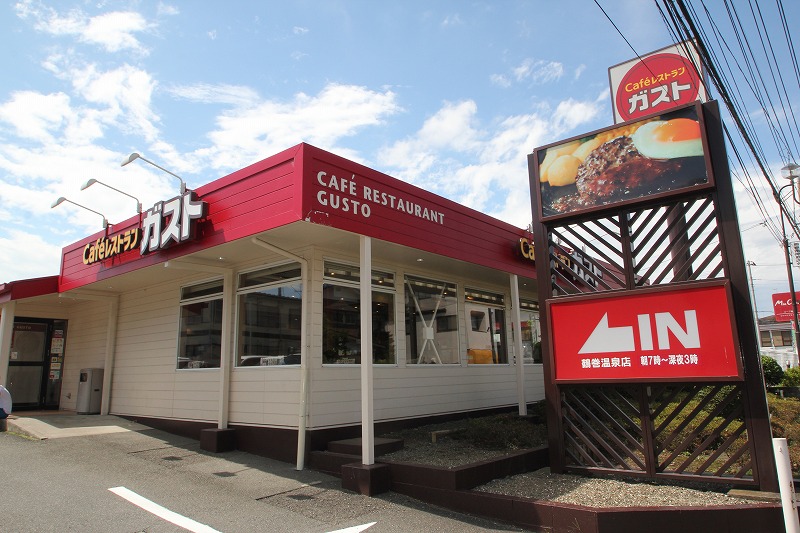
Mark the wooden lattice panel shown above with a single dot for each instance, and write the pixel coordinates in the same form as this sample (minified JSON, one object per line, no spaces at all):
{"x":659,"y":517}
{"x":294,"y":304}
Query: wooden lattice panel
{"x":587,"y":256}
{"x":700,"y":430}
{"x":689,"y":431}
{"x":602,"y":428}
{"x":677,"y":242}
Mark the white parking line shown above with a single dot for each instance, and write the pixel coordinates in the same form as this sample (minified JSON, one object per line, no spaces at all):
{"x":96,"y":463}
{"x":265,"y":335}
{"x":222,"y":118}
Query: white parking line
{"x":355,"y":529}
{"x":162,"y":512}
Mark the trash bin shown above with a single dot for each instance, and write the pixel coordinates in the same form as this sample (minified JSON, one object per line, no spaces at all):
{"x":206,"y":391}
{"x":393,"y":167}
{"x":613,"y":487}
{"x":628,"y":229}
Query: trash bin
{"x":90,"y":391}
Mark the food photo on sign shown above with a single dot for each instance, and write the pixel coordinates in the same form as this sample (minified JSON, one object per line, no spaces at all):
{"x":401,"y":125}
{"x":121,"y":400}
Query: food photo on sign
{"x":655,"y":155}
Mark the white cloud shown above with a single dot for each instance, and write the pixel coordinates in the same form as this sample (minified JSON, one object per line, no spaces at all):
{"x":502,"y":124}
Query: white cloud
{"x":167,"y":9}
{"x":500,"y":80}
{"x":450,"y":129}
{"x":206,"y":93}
{"x":35,"y":116}
{"x":452,"y":20}
{"x":490,"y":170}
{"x":245,"y":134}
{"x":41,"y":258}
{"x":124,"y":91}
{"x":299,"y":30}
{"x":571,"y":113}
{"x":114,"y":31}
{"x":539,"y":72}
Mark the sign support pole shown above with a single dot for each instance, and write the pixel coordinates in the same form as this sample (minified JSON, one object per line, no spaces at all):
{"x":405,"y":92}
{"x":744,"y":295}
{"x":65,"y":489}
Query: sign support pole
{"x":754,"y":396}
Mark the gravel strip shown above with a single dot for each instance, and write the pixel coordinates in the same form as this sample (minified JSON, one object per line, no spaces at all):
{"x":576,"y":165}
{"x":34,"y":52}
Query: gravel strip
{"x":561,"y":488}
{"x":603,"y":492}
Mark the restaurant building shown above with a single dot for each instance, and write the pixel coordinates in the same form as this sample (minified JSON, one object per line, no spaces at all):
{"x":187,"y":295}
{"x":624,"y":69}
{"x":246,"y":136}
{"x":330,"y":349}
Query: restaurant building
{"x":237,"y":308}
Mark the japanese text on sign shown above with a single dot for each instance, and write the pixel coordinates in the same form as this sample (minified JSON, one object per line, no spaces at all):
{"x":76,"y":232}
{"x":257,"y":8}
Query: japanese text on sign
{"x":170,"y":222}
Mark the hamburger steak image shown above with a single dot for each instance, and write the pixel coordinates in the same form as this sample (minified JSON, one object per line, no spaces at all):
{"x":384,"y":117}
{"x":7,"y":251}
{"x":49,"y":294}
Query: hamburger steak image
{"x":621,"y":164}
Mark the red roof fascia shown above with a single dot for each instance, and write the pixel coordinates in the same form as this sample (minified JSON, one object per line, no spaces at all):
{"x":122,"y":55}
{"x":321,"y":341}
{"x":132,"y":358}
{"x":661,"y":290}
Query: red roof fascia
{"x":28,"y":288}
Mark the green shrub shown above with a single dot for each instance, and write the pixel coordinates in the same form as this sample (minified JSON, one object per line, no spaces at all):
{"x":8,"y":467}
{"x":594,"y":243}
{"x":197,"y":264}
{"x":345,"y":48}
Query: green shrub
{"x":784,"y":417}
{"x":773,"y":373}
{"x":791,"y":378}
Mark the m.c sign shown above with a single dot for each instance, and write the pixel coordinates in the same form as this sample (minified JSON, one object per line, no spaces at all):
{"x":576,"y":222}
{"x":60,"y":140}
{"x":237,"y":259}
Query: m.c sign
{"x":645,"y":335}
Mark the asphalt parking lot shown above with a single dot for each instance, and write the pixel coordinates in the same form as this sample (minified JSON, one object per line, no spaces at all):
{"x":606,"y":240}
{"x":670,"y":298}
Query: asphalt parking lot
{"x":90,"y":473}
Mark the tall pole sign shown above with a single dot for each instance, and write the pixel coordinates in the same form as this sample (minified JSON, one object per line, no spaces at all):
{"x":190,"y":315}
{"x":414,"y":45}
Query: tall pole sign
{"x":649,"y":202}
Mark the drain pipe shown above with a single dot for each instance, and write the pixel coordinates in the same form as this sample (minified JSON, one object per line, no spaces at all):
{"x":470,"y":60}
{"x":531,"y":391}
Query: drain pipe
{"x":303,"y":408}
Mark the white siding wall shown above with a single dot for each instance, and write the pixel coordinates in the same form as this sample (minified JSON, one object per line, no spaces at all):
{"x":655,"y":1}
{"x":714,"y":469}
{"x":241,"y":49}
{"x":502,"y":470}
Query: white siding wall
{"x":406,"y":391}
{"x":268,"y":396}
{"x":85,"y":346}
{"x":146,"y":381}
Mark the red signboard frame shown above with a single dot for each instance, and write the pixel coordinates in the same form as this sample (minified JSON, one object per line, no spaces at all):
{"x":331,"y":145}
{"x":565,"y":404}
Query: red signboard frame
{"x":685,"y":333}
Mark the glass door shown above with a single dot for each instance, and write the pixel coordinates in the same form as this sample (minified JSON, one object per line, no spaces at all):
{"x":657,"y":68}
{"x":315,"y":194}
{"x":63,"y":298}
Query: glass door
{"x":30,"y":380}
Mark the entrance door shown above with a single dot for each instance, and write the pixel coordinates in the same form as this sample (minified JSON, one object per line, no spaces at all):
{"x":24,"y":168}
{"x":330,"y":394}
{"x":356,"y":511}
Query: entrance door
{"x":34,"y":380}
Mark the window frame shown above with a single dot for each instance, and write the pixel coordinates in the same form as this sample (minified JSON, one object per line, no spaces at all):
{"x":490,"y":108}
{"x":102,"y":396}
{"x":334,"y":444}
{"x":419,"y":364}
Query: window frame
{"x":243,"y":291}
{"x":488,"y":300}
{"x":203,"y":297}
{"x":456,"y":300}
{"x":353,"y":282}
{"x":532,"y":307}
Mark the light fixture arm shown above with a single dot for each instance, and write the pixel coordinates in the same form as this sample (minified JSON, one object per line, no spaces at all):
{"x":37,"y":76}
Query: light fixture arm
{"x":791,"y":172}
{"x":93,"y":181}
{"x":61,"y":200}
{"x":135,"y":156}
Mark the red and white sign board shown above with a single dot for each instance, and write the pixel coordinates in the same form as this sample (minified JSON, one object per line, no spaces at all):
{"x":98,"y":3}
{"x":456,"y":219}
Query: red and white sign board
{"x":656,"y":82}
{"x":782,"y":305}
{"x":647,"y":335}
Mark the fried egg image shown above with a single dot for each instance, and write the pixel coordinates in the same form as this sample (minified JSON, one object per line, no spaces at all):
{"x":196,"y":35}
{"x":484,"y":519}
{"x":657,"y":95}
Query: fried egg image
{"x":679,"y":137}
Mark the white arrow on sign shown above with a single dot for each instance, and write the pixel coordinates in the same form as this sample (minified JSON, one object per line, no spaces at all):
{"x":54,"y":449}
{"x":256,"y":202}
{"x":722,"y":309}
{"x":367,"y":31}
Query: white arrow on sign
{"x":605,"y":339}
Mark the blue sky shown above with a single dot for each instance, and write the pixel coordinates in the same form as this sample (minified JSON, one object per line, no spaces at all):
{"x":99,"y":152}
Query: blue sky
{"x":448,"y":95}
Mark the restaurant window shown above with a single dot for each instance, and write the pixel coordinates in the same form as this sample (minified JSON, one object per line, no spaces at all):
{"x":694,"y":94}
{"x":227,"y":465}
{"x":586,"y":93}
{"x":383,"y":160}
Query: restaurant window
{"x":486,"y":320}
{"x":341,"y":315}
{"x":199,"y":345}
{"x":270,"y":302}
{"x":431,"y":311}
{"x":531,"y":332}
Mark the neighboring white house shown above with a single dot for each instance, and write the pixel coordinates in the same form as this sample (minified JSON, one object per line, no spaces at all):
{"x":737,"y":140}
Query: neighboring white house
{"x":775,"y":340}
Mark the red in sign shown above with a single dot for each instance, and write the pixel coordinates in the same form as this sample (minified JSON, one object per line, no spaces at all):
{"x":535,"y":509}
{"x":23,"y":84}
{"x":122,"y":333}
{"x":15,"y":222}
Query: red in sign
{"x":678,"y":334}
{"x":655,"y":84}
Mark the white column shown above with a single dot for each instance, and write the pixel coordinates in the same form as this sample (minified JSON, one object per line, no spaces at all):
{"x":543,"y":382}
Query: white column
{"x":516,"y":318}
{"x":367,"y":408}
{"x":226,"y":353}
{"x":6,"y":331}
{"x":111,"y":351}
{"x":780,"y":448}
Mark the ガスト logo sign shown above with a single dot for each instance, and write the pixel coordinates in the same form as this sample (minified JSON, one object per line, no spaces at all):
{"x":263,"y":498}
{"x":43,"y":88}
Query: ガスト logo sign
{"x":657,"y":83}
